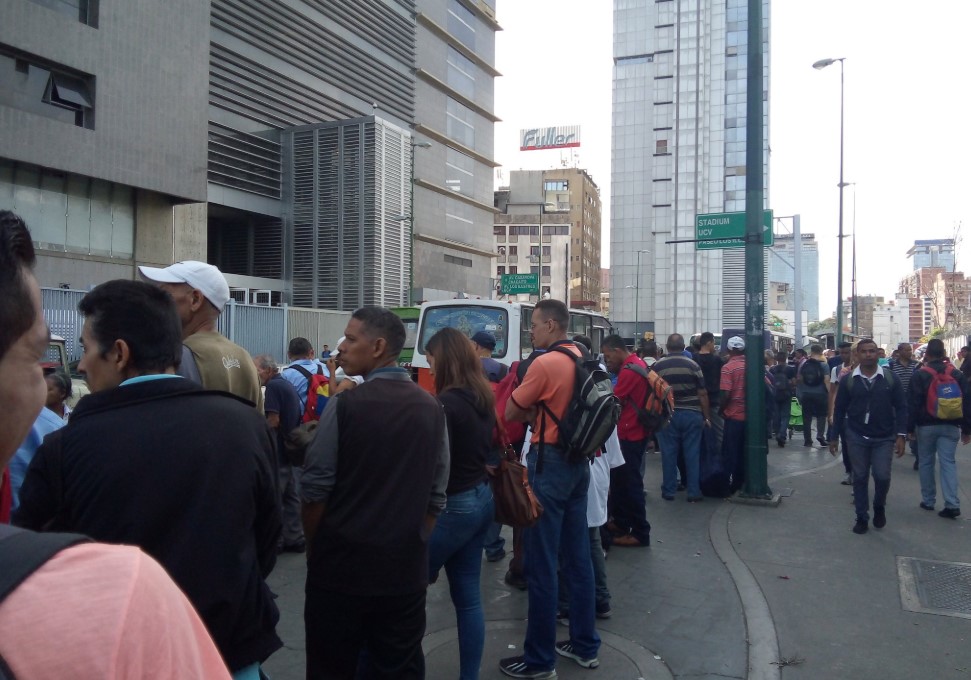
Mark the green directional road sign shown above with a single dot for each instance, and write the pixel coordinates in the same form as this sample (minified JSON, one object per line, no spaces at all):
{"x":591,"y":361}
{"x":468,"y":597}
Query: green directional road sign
{"x":727,"y":230}
{"x":515,"y":284}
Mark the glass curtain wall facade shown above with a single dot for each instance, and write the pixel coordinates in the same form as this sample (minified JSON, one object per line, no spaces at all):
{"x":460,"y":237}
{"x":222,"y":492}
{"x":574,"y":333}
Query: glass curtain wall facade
{"x":453,"y":176}
{"x":679,"y":103}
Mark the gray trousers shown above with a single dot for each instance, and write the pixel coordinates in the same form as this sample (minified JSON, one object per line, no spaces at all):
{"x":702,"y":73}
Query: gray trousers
{"x":289,"y":488}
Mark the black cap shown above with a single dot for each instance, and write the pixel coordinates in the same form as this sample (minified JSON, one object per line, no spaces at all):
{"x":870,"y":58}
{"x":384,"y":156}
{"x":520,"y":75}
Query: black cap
{"x":485,"y":339}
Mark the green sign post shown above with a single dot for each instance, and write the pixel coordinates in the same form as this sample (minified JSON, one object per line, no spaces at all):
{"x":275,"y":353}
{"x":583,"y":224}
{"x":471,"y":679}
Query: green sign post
{"x":517,"y":284}
{"x":727,"y":230}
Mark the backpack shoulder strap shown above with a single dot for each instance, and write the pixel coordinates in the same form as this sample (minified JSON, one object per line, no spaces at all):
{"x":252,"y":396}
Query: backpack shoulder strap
{"x":24,"y":552}
{"x":302,"y":371}
{"x":639,"y":370}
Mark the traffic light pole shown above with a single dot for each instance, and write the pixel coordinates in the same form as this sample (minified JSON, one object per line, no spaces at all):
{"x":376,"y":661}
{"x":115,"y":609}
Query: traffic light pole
{"x":756,"y":451}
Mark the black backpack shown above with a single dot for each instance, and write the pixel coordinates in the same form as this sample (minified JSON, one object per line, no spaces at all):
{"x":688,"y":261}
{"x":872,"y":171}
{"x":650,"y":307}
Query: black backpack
{"x":780,"y":384}
{"x":812,"y":373}
{"x":592,"y":413}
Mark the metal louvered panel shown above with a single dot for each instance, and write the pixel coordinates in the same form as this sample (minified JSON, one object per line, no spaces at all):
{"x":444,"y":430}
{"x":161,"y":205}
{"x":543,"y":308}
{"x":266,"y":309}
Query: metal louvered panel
{"x":350,"y":185}
{"x":244,"y":161}
{"x":268,"y":250}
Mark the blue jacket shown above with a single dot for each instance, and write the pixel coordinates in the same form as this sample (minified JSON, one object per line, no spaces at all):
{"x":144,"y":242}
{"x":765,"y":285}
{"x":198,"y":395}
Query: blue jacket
{"x":884,"y":402}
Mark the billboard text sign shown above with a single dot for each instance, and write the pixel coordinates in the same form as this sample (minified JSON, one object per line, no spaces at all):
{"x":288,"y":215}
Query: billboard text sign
{"x":560,"y":137}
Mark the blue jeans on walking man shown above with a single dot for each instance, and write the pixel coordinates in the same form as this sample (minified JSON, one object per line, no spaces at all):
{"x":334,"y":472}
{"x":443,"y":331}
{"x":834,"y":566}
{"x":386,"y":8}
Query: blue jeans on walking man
{"x":683,"y":434}
{"x":781,"y":424}
{"x":866,"y":456}
{"x":456,"y":543}
{"x":943,"y":441}
{"x":559,"y":538}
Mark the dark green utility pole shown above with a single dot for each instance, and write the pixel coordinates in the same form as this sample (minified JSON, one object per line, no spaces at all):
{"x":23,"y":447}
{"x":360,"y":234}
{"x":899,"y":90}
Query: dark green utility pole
{"x":756,"y":479}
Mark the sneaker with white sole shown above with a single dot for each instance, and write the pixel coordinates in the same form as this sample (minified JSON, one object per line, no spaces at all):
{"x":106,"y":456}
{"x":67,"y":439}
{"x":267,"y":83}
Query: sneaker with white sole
{"x":565,"y":648}
{"x":516,"y":667}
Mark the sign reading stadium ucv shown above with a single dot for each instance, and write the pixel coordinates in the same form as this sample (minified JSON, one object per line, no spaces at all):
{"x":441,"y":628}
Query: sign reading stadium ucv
{"x":561,"y":137}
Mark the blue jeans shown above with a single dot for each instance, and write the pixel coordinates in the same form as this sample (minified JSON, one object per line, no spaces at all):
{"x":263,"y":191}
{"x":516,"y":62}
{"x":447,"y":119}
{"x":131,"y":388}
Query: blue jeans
{"x":781,"y":424}
{"x":456,"y":544}
{"x":627,"y":492}
{"x":942,"y":440}
{"x":561,"y":536}
{"x":868,"y":455}
{"x":683,"y":435}
{"x":733,"y":452}
{"x":599,"y":576}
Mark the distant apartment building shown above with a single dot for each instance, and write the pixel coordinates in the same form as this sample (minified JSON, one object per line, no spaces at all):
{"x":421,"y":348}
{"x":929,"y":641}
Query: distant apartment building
{"x":865,"y":305}
{"x":781,"y":260}
{"x":951,"y":298}
{"x":891,"y":322}
{"x":605,"y":292}
{"x":933,"y":253}
{"x":548,"y":223}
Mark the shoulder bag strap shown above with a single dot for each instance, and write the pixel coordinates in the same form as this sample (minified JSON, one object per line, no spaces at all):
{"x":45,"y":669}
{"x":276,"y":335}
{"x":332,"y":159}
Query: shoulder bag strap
{"x":24,"y":552}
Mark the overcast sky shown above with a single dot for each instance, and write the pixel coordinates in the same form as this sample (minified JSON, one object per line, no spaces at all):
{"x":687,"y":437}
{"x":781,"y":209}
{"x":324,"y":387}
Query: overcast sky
{"x":908,"y":145}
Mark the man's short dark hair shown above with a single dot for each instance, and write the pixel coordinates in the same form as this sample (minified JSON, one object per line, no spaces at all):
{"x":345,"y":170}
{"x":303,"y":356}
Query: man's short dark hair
{"x":17,"y":313}
{"x":815,"y":349}
{"x":935,"y":349}
{"x":379,"y":322}
{"x":966,"y":348}
{"x":556,"y":310}
{"x":705,"y":338}
{"x":800,"y":352}
{"x":845,"y":345}
{"x":865,"y":341}
{"x":142,"y":315}
{"x":675,"y":343}
{"x":613,"y":342}
{"x":299,"y":347}
{"x":585,"y":341}
{"x":650,"y":348}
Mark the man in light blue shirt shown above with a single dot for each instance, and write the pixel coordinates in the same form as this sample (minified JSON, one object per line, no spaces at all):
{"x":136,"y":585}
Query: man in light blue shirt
{"x":302,"y":366}
{"x":47,"y":421}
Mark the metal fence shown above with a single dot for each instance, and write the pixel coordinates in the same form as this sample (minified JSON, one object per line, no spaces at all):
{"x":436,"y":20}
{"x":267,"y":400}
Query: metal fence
{"x":256,"y":328}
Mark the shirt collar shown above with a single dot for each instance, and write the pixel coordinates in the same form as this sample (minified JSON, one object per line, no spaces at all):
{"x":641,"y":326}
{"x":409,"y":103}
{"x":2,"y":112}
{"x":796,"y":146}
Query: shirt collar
{"x":147,"y":378}
{"x":858,"y":372}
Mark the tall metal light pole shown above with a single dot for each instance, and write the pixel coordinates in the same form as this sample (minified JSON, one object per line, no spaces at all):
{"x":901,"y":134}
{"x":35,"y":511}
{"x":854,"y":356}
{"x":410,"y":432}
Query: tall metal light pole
{"x":821,"y":64}
{"x":637,"y":297}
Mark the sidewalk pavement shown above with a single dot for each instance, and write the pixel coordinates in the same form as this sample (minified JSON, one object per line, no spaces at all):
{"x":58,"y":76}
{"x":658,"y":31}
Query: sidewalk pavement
{"x":736,"y":591}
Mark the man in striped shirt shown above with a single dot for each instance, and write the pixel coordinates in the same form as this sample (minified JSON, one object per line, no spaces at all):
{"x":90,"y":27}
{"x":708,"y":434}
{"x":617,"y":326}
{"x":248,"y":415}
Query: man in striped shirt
{"x":903,"y":368}
{"x":691,"y":416}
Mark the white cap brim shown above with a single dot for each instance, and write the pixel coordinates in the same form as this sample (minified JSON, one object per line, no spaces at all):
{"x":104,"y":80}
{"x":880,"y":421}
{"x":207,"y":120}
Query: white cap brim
{"x":159,"y":275}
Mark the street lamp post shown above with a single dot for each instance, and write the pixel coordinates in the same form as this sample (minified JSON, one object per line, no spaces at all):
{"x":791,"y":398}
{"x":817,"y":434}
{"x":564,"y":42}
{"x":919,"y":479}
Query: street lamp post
{"x":821,"y":64}
{"x":637,"y":296}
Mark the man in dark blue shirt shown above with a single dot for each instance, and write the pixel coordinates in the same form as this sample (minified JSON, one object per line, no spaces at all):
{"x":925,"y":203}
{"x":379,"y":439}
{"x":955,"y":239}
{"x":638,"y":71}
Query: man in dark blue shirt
{"x":282,"y":406}
{"x":870,"y":405}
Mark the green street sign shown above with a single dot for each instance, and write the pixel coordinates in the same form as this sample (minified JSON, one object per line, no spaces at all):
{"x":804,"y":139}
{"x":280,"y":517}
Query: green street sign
{"x":727,"y":230}
{"x":516,"y":284}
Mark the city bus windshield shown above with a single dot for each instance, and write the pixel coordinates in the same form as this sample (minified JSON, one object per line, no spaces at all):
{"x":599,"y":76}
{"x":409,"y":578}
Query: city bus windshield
{"x":469,"y":320}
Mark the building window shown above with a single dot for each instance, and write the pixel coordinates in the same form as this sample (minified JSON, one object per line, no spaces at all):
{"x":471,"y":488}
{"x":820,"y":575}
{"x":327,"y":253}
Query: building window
{"x":534,"y":270}
{"x":85,"y":11}
{"x":460,"y":123}
{"x":46,"y":90}
{"x":70,"y":213}
{"x":661,"y":146}
{"x":513,"y":269}
{"x":546,"y":251}
{"x":460,"y":73}
{"x":556,"y":185}
{"x":546,"y":270}
{"x":459,"y":170}
{"x":514,"y":251}
{"x":534,"y":251}
{"x":461,"y":23}
{"x":451,"y":259}
{"x":498,"y":230}
{"x":500,"y":271}
{"x":560,"y":230}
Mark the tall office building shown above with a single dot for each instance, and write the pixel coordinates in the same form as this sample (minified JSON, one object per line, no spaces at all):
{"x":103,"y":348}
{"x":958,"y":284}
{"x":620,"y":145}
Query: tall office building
{"x":453,"y":177}
{"x":679,"y":131}
{"x":782,"y":260}
{"x":121,"y":147}
{"x":938,"y":252}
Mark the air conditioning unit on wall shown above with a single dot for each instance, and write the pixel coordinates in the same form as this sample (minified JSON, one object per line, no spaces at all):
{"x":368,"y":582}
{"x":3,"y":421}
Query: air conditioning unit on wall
{"x":240,"y":295}
{"x":262,"y":297}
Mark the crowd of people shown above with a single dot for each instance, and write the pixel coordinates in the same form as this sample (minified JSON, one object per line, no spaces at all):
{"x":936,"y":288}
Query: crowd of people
{"x":191,"y":466}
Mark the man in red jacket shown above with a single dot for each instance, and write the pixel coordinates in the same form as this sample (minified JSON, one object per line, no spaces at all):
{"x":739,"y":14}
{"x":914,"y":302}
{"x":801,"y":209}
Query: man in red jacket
{"x":626,"y":482}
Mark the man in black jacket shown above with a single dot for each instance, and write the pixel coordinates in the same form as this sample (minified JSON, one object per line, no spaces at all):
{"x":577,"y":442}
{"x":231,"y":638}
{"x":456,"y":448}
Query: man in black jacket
{"x":151,"y":459}
{"x":937,"y":434}
{"x":870,"y":405}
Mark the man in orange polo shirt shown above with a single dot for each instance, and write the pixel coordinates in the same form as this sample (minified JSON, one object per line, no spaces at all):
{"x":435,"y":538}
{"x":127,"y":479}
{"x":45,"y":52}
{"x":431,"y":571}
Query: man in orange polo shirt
{"x":733,"y":411}
{"x":561,"y":486}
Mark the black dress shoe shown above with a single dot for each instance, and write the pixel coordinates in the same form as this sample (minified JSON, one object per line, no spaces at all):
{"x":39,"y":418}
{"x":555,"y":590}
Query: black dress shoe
{"x":860,"y":527}
{"x":949,"y":513}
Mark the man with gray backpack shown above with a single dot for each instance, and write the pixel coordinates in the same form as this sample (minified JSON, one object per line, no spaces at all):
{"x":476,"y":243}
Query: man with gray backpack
{"x":813,"y":389}
{"x":567,"y":399}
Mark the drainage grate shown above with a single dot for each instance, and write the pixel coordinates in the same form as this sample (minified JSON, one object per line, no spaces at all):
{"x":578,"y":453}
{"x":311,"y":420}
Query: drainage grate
{"x":933,"y":587}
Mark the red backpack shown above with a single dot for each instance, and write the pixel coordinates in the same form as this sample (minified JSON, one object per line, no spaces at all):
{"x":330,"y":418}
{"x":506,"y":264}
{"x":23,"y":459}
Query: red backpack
{"x":944,"y":399}
{"x":318,"y":391}
{"x":506,"y":431}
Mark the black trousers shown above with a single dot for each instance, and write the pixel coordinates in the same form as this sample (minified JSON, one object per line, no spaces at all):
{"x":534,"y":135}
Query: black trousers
{"x":387,"y":629}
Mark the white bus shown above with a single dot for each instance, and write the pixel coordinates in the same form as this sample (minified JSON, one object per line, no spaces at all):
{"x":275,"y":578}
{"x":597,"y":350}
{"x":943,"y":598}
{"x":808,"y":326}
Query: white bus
{"x":508,"y":321}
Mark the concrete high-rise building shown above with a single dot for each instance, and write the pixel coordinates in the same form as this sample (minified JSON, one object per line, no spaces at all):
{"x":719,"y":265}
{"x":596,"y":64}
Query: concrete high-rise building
{"x":937,"y":252}
{"x":125,"y":144}
{"x":781,"y":261}
{"x":679,"y":131}
{"x":453,"y":177}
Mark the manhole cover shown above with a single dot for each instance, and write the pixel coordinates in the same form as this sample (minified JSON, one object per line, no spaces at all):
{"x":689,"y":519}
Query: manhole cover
{"x":933,"y":587}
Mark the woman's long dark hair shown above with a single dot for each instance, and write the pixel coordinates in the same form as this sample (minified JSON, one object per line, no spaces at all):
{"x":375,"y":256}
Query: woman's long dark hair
{"x":457,"y":366}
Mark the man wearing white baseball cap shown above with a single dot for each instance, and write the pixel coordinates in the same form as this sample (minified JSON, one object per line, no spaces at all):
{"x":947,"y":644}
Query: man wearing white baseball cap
{"x":200,"y":292}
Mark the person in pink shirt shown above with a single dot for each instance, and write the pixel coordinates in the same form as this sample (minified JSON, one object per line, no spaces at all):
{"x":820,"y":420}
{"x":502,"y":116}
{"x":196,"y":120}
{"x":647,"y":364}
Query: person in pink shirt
{"x":91,"y":610}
